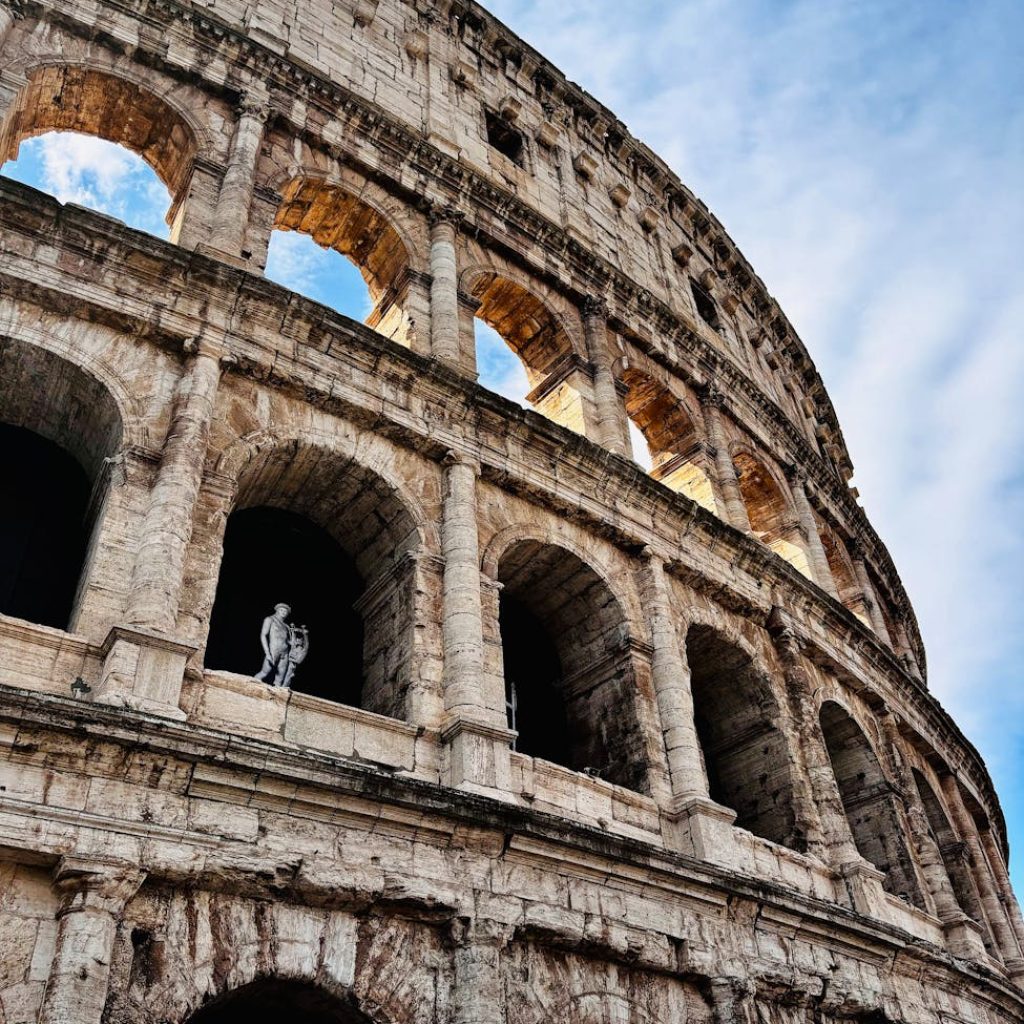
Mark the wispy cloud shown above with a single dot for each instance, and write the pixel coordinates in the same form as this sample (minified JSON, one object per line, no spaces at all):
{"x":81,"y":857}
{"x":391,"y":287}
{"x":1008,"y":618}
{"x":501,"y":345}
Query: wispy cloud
{"x":297,"y":262}
{"x":868,"y":159}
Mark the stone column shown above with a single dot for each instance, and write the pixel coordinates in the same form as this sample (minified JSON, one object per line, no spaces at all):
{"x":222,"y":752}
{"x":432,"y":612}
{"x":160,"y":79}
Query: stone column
{"x":732,"y":1001}
{"x":475,"y":727}
{"x":477,"y":993}
{"x":612,"y":428}
{"x":444,"y":286}
{"x":712,"y":400}
{"x":7,"y":20}
{"x":1004,"y":935}
{"x":231,"y":220}
{"x":144,"y":663}
{"x":92,"y":898}
{"x":1005,"y":889}
{"x":809,"y":528}
{"x":671,"y":679}
{"x":870,"y":598}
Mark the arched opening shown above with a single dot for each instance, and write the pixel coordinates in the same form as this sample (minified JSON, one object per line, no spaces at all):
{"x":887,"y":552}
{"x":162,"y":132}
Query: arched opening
{"x":746,"y":756}
{"x":869,"y":802}
{"x":336,"y":224}
{"x":848,"y":586}
{"x":672,"y":441}
{"x":58,"y":426}
{"x":92,"y":103}
{"x":541,"y":343}
{"x":770,"y":517}
{"x":568,"y":667}
{"x":273,"y":1000}
{"x":332,"y":540}
{"x":954,"y":858}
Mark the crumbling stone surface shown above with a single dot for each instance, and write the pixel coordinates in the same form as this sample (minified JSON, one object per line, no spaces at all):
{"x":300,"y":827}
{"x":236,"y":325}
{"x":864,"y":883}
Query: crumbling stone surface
{"x":758,"y":813}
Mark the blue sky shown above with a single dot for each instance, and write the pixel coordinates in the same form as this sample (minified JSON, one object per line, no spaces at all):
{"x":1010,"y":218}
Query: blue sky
{"x":868,"y":158}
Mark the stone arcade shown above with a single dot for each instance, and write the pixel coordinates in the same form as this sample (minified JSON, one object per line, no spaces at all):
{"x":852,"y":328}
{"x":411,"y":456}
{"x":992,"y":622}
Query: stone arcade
{"x":731,"y":797}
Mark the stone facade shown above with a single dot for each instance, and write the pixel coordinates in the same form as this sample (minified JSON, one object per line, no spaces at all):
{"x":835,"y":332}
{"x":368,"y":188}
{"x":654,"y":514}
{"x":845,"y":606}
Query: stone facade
{"x":761,"y":814}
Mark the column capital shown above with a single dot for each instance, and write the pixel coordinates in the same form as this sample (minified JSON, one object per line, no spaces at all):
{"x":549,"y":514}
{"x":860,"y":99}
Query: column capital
{"x":456,"y":458}
{"x":255,"y":105}
{"x":87,"y":884}
{"x":594,"y":307}
{"x":444,"y":213}
{"x":797,"y":477}
{"x":711,"y":395}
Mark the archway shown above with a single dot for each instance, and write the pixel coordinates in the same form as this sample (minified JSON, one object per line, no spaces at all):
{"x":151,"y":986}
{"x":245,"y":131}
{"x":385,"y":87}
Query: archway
{"x":92,"y":103}
{"x":273,"y":1000}
{"x":567,"y":664}
{"x":350,"y":532}
{"x":671,"y":438}
{"x":746,"y":755}
{"x":58,"y":426}
{"x":539,"y":340}
{"x":869,"y":802}
{"x":851,"y":594}
{"x":339,"y":223}
{"x":771,"y":518}
{"x":951,"y":850}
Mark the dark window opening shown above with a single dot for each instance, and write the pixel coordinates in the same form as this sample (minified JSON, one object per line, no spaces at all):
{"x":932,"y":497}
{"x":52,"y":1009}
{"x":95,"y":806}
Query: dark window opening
{"x":43,"y":528}
{"x":271,"y":556}
{"x":706,"y":308}
{"x":746,"y":757}
{"x":271,"y":1001}
{"x":504,"y":138}
{"x":532,"y":681}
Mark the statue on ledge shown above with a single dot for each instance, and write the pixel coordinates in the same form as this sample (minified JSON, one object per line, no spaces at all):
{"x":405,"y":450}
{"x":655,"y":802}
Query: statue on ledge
{"x":285,"y":647}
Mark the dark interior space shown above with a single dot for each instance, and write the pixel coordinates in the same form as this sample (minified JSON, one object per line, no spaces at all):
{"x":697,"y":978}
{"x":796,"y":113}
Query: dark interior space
{"x":504,"y":138}
{"x":273,"y":1001}
{"x":705,"y":304}
{"x":271,"y":556}
{"x":532,"y":668}
{"x":43,"y":528}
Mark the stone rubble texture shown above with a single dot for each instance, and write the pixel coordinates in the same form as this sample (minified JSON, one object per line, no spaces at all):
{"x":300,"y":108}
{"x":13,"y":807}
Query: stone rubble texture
{"x":731,"y":628}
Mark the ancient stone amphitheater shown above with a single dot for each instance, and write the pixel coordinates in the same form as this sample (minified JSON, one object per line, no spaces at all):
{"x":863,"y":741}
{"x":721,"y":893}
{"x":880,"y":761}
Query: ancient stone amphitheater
{"x":575,"y":742}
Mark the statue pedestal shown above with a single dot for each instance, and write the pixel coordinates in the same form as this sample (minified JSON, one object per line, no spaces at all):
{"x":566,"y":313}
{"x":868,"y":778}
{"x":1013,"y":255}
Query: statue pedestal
{"x":477,"y":756}
{"x":698,"y":826}
{"x":864,"y":886}
{"x":143,"y":670}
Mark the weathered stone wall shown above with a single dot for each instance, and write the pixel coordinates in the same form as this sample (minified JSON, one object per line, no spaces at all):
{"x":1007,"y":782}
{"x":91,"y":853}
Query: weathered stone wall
{"x":779,"y":824}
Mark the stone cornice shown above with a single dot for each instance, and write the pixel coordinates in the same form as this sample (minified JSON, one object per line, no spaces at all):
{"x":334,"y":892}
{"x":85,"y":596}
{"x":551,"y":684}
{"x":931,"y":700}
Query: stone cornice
{"x":638,"y":303}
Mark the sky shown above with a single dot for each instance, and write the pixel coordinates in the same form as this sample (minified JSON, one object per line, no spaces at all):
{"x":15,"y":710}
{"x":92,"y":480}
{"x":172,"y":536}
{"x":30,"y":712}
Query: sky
{"x":868,"y":158}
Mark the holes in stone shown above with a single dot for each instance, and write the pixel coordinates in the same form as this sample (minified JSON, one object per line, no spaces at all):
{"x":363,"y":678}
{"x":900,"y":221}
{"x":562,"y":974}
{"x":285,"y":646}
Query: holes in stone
{"x":43,"y":530}
{"x":706,"y":308}
{"x":504,"y":138}
{"x":270,"y":556}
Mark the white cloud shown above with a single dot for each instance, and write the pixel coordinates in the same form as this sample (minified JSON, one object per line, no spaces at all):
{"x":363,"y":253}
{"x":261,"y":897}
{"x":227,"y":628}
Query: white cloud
{"x":868,"y":159}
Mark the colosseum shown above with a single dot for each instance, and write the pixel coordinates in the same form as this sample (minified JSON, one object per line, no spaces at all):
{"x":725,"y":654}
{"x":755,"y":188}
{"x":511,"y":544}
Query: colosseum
{"x":575,"y":741}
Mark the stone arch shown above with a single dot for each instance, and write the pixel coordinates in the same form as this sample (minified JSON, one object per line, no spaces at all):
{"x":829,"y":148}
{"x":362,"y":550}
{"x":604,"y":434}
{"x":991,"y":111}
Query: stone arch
{"x":92,"y":98}
{"x":359,"y":226}
{"x":672,"y":433}
{"x":953,"y":854}
{"x":333,"y":501}
{"x":740,"y":726}
{"x":576,"y":680}
{"x":773,"y":519}
{"x":268,"y":1000}
{"x":869,"y":801}
{"x":63,"y":425}
{"x":840,"y":565}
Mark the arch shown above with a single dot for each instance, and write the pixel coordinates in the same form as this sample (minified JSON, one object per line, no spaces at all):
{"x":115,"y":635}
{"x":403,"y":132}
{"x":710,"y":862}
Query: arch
{"x":336,"y":218}
{"x":60,"y":428}
{"x":673,"y":440}
{"x":361,"y":539}
{"x":869,"y":802}
{"x":953,"y":854}
{"x":745,"y":751}
{"x":769,"y":510}
{"x":271,"y":1000}
{"x":568,"y":664}
{"x":77,"y":98}
{"x":847,"y":585}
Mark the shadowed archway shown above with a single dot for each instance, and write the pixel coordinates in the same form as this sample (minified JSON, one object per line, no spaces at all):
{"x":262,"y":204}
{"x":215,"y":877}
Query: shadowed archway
{"x":278,"y":1001}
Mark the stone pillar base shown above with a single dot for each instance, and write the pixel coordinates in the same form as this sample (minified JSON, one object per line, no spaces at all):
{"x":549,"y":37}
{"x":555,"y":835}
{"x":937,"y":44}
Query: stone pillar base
{"x":963,"y":938}
{"x":697,"y":826}
{"x":143,"y":671}
{"x":477,"y":757}
{"x":205,"y":249}
{"x":864,"y":887}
